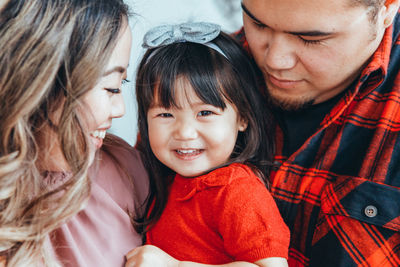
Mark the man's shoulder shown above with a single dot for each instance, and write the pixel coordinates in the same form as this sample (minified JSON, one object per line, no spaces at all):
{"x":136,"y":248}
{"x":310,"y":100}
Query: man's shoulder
{"x":240,"y":37}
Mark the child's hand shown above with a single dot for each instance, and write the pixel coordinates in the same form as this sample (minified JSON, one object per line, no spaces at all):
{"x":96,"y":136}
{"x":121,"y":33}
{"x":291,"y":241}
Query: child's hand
{"x":149,"y":256}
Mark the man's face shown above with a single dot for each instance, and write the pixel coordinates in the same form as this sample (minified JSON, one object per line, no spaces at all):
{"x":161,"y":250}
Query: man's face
{"x":309,"y":50}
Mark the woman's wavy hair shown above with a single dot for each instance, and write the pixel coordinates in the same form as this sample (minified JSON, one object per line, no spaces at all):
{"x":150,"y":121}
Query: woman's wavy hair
{"x":52,"y":53}
{"x":215,"y":79}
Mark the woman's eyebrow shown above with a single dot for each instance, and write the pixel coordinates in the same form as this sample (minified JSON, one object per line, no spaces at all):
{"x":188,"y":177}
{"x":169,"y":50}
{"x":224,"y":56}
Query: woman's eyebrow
{"x":119,"y":69}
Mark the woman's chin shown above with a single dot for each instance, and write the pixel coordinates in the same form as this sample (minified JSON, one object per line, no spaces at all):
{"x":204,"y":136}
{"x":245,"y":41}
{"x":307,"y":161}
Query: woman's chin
{"x":97,"y":138}
{"x":97,"y":142}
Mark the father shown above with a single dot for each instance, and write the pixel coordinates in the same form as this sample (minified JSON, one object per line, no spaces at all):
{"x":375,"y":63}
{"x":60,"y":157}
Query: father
{"x":332,"y":73}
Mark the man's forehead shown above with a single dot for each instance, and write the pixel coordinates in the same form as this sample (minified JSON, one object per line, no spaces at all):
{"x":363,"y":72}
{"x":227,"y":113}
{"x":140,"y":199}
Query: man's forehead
{"x":311,"y":16}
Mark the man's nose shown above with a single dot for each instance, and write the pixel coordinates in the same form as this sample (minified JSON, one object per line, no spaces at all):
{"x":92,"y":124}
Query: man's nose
{"x":280,"y":53}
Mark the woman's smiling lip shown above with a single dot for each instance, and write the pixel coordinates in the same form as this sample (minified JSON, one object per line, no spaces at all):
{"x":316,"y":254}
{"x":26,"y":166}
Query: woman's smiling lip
{"x":98,"y":135}
{"x":283,"y":83}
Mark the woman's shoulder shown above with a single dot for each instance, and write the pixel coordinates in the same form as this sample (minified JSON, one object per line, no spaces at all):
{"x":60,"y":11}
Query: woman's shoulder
{"x":122,"y":154}
{"x":118,"y":147}
{"x":120,"y":167}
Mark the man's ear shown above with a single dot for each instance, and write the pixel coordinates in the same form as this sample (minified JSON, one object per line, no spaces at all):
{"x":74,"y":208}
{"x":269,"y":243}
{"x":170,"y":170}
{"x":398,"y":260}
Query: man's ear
{"x":242,"y":126}
{"x":389,"y":11}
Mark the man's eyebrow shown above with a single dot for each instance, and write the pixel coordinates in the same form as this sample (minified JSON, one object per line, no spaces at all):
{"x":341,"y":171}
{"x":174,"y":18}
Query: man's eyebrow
{"x":299,"y":33}
{"x":251,"y":15}
{"x":311,"y":33}
{"x":119,"y":69}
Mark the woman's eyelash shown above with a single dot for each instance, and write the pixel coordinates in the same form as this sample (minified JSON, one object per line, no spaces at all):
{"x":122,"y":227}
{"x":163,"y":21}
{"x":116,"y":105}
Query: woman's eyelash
{"x":114,"y":90}
{"x":117,"y":90}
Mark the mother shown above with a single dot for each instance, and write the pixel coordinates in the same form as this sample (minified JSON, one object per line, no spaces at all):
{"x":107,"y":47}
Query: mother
{"x":62,"y":63}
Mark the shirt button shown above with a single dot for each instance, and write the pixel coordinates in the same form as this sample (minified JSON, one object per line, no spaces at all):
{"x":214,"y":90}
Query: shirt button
{"x":370,"y":211}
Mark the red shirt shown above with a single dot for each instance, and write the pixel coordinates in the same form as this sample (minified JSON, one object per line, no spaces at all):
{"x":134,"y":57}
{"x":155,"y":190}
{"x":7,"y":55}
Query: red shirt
{"x":223,"y":216}
{"x":339,"y":193}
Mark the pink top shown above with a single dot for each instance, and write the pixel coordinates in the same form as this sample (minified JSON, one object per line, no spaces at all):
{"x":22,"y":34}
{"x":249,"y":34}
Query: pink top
{"x":101,"y":234}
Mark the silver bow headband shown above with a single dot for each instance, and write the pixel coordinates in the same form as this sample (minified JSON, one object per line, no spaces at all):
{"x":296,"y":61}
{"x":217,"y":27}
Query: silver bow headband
{"x":196,"y":32}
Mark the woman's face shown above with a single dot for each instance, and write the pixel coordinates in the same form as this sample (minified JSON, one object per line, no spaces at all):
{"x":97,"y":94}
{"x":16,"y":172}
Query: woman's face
{"x":3,"y":3}
{"x":105,"y":102}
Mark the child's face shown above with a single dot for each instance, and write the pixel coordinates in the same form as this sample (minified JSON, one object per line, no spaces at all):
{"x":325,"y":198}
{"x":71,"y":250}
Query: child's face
{"x":194,"y":138}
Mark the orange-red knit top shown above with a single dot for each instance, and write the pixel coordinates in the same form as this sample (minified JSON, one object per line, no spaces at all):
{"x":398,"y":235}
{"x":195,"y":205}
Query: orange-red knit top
{"x":223,"y":216}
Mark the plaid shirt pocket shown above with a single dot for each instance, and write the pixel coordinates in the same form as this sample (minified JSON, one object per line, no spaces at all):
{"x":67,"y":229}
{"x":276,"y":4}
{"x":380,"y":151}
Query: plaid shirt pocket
{"x":363,"y":218}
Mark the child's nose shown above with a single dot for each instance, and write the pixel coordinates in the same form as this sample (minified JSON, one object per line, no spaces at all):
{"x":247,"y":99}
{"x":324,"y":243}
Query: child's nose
{"x":185,"y":130}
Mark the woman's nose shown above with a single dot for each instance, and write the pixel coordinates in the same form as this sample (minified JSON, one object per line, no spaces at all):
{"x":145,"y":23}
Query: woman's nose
{"x":118,"y":108}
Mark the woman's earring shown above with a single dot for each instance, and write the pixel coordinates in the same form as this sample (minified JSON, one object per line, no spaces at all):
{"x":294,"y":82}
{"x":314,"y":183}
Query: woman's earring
{"x":387,"y":22}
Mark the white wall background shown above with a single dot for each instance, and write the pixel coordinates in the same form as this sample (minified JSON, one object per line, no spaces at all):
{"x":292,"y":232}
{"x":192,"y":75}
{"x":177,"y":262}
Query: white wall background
{"x":150,"y":13}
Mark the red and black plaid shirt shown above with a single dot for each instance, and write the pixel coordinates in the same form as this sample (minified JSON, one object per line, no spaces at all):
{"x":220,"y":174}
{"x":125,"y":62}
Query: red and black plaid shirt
{"x":340,"y":192}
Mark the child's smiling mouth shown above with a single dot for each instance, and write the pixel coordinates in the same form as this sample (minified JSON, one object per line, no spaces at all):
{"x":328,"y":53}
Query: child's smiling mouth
{"x":188,"y":154}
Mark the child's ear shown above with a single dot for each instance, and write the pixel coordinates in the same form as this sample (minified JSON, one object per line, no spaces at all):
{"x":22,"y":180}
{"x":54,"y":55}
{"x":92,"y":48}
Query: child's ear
{"x":242,"y":125}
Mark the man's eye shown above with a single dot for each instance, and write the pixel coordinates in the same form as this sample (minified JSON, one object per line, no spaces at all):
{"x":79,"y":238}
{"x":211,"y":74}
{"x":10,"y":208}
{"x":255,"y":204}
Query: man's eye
{"x":205,"y":113}
{"x":259,"y":25}
{"x":113,"y":90}
{"x":309,"y":42}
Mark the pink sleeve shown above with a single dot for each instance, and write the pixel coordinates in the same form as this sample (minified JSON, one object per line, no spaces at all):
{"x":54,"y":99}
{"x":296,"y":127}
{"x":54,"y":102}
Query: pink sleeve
{"x":101,"y":234}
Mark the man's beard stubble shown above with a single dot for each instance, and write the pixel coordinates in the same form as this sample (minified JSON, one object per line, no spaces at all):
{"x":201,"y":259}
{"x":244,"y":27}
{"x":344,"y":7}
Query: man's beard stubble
{"x":289,"y":104}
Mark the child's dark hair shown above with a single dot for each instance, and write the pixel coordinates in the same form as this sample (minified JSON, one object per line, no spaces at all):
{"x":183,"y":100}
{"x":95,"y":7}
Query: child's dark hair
{"x":215,"y":79}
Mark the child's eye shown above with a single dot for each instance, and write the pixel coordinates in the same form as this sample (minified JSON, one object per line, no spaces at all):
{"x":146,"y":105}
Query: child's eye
{"x":165,"y":115}
{"x":125,"y":81}
{"x":113,"y":90}
{"x":205,"y":113}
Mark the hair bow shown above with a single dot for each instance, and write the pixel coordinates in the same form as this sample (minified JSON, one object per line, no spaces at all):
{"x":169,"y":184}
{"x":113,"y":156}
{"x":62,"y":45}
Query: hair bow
{"x":196,"y":32}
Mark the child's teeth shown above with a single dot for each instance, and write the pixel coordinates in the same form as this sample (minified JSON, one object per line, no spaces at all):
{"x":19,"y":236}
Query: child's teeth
{"x":187,"y":151}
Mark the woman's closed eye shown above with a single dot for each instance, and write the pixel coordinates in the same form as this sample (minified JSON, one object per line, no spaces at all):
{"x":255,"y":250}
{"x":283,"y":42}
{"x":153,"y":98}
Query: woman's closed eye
{"x":116,"y":90}
{"x":113,"y":90}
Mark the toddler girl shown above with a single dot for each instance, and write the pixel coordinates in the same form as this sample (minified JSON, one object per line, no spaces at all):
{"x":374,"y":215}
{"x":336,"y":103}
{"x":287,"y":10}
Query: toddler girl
{"x":207,"y":143}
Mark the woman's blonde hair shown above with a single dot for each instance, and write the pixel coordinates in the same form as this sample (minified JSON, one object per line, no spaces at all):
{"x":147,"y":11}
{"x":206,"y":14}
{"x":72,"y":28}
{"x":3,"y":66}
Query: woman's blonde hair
{"x":52,"y":53}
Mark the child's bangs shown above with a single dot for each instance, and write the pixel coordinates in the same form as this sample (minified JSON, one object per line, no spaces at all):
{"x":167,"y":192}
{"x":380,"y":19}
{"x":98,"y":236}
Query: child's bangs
{"x":196,"y":65}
